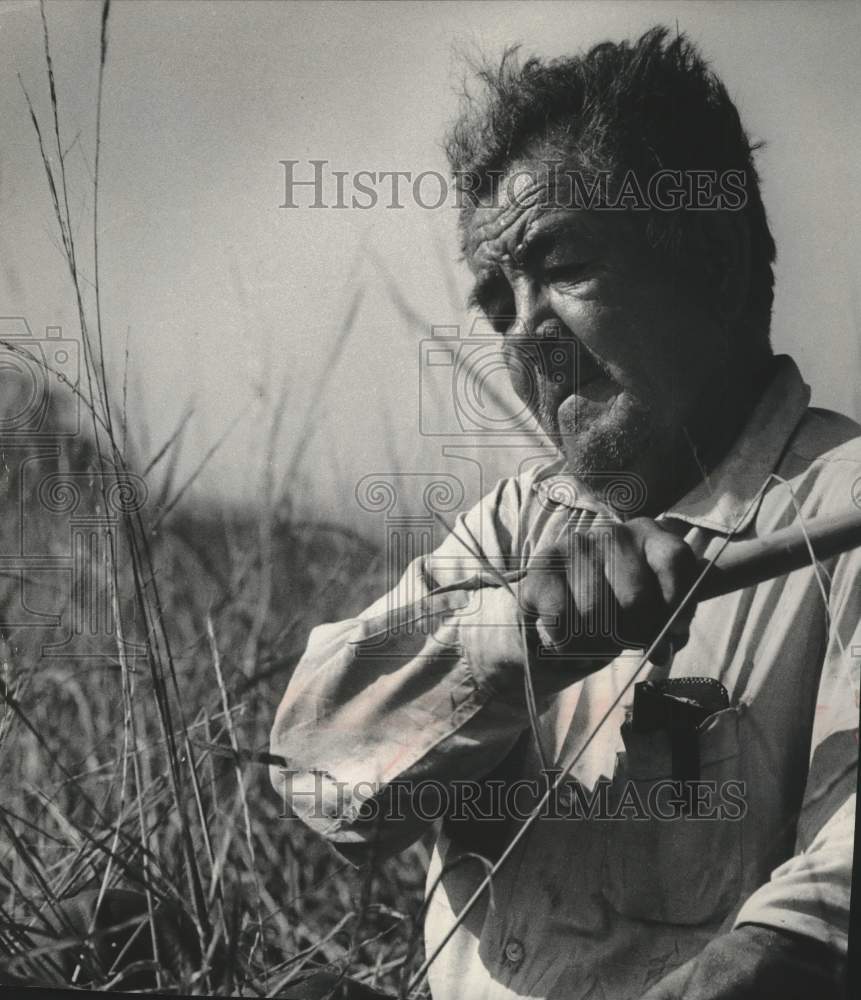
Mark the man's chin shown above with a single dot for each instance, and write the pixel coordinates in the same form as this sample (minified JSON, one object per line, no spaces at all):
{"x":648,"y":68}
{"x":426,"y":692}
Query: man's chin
{"x":591,"y":454}
{"x":614,"y":441}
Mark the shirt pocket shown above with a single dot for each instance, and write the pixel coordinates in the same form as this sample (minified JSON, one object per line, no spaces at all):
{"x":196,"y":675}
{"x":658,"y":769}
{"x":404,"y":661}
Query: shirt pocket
{"x":672,"y":863}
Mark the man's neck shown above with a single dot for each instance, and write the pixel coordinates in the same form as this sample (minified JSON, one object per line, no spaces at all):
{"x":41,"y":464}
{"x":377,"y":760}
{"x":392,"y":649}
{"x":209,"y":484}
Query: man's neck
{"x":706,"y":439}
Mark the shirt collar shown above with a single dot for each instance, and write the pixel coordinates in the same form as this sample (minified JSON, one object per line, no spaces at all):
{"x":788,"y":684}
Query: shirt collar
{"x":726,"y":500}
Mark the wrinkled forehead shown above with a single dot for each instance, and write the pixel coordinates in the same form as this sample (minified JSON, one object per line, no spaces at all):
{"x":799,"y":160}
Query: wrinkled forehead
{"x":528,"y":203}
{"x":516,"y":200}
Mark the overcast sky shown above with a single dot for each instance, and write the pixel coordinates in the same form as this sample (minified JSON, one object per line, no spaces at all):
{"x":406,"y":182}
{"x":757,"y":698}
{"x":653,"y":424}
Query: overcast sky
{"x":226,"y":294}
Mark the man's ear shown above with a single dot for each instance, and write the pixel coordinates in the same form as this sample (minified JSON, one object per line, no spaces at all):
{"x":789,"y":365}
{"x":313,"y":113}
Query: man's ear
{"x":724,"y":239}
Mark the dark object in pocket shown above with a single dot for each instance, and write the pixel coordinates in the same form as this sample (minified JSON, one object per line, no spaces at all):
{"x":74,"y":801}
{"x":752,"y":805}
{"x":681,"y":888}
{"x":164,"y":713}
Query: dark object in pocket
{"x":682,"y":869}
{"x":679,"y":705}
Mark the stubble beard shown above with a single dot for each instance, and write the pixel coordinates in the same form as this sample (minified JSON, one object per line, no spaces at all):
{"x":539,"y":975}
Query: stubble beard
{"x":618,"y":440}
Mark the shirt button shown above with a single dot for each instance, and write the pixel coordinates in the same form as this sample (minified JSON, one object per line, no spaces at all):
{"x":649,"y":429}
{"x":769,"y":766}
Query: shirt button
{"x":514,"y":951}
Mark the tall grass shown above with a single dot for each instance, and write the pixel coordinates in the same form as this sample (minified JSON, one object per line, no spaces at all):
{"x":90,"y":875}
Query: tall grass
{"x":134,"y":778}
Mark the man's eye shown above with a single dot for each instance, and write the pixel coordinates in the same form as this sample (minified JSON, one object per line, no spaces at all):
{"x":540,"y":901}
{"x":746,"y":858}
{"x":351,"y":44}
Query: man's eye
{"x":501,"y":323}
{"x":500,"y":314}
{"x":573,"y":271}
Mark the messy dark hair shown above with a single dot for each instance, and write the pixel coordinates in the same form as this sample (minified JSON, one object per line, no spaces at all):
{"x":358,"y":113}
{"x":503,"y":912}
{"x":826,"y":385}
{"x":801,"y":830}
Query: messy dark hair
{"x":645,"y":106}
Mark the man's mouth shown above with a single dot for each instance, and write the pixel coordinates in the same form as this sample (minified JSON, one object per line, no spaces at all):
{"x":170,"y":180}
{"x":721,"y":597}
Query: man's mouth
{"x":590,"y":399}
{"x":593,"y":381}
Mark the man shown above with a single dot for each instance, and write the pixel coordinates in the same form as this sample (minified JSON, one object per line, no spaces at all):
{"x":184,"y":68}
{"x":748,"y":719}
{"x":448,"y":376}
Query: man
{"x":737,"y":884}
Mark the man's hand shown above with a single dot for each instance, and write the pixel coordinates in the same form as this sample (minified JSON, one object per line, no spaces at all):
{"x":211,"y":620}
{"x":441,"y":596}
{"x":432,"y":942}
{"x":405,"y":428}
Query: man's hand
{"x":757,"y":963}
{"x":598,"y":592}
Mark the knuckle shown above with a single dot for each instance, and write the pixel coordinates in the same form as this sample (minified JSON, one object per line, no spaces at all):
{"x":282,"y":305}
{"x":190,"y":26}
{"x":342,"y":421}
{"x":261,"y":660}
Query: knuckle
{"x":673,"y":558}
{"x":681,"y":562}
{"x":588,"y":606}
{"x":641,"y":527}
{"x":543,"y":591}
{"x":585,"y":555}
{"x":640,"y":524}
{"x":622,"y":532}
{"x":528,"y":594}
{"x":629,"y":600}
{"x":584,"y":541}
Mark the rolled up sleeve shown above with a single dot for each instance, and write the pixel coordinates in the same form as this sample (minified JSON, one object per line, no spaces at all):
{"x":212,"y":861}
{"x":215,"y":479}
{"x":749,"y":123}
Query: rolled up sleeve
{"x":371,"y":711}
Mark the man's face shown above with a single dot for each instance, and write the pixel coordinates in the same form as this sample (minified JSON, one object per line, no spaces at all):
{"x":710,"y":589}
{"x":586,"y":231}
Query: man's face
{"x":648,"y":355}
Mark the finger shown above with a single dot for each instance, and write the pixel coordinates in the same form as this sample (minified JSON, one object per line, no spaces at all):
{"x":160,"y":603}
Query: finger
{"x":663,"y":653}
{"x":672,"y":561}
{"x":543,"y":596}
{"x":636,"y":596}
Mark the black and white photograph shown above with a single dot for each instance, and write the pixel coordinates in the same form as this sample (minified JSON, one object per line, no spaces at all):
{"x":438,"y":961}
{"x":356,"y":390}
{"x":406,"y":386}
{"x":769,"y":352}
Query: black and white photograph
{"x":430,"y":460}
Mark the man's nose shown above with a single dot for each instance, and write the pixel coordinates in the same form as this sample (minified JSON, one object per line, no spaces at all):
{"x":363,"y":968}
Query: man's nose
{"x":534,"y":315}
{"x":541,"y":347}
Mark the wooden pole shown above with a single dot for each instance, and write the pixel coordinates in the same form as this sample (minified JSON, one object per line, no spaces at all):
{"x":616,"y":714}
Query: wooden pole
{"x":745,"y":564}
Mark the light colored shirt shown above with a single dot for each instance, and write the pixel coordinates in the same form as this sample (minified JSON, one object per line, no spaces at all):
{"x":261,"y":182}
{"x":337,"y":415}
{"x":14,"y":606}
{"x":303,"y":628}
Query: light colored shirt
{"x":601,"y":907}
